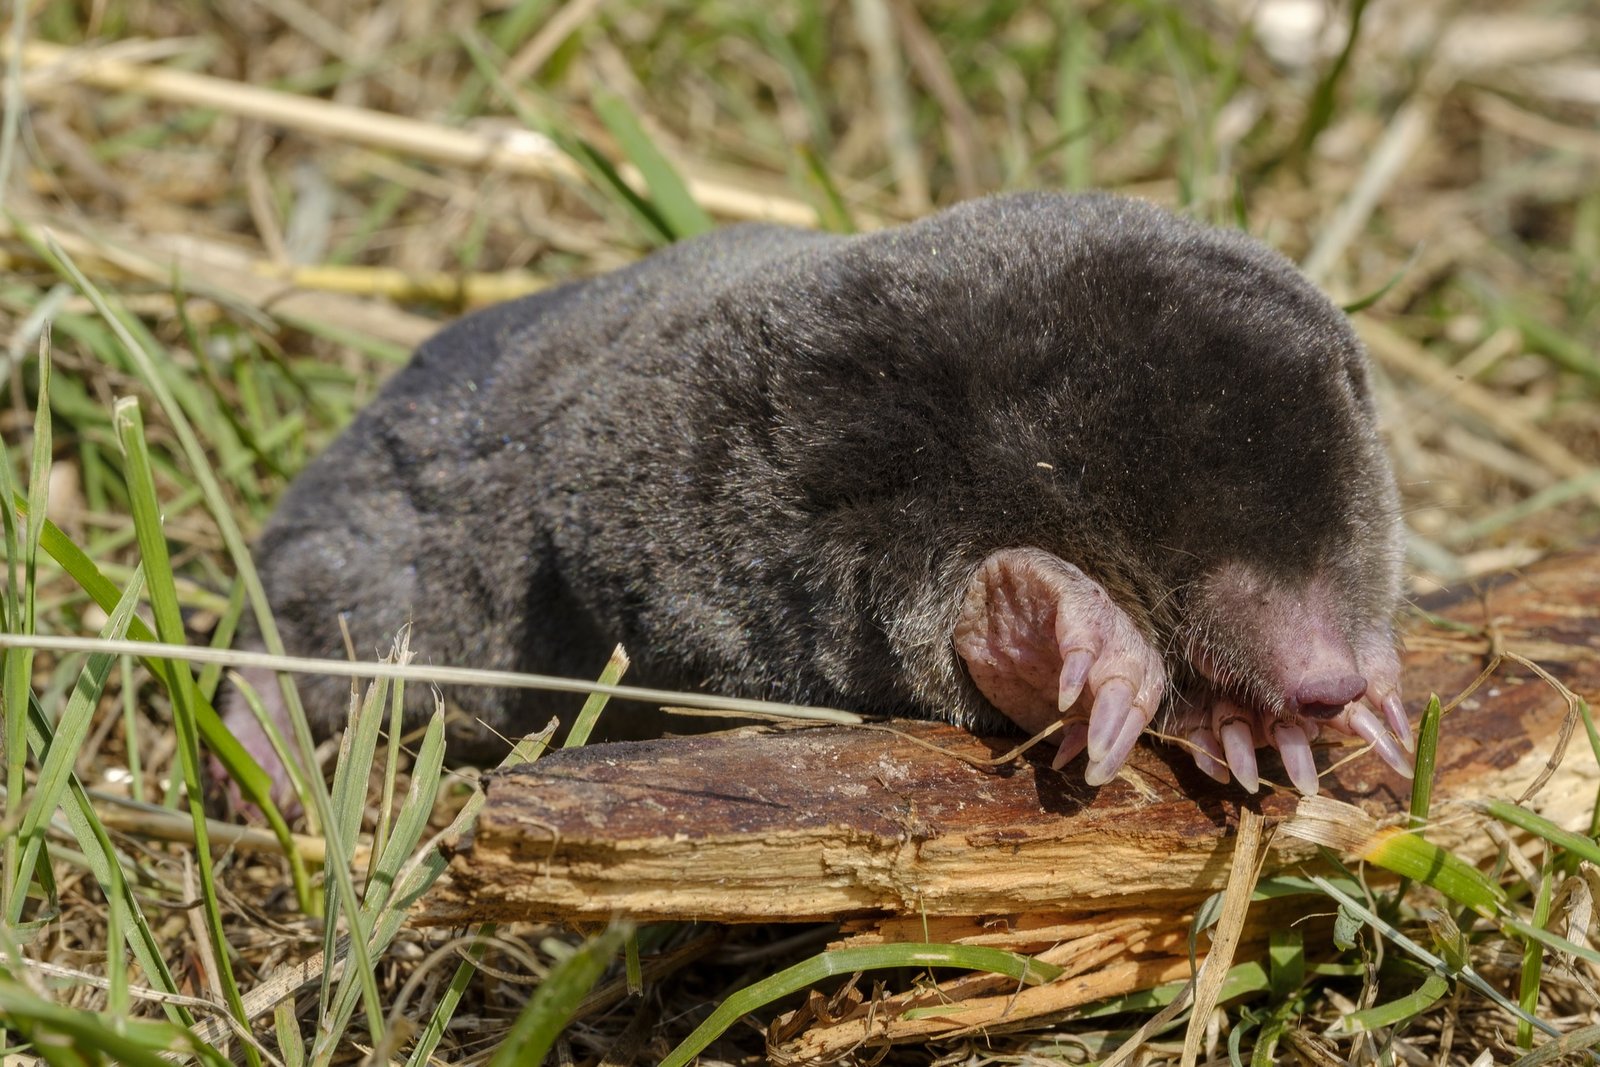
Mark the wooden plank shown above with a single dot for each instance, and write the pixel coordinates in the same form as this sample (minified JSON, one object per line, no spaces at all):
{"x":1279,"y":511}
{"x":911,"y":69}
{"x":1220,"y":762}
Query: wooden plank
{"x":805,"y":823}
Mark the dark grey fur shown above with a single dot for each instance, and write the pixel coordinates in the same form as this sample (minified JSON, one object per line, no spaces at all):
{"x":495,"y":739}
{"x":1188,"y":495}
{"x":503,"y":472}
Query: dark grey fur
{"x":766,"y":460}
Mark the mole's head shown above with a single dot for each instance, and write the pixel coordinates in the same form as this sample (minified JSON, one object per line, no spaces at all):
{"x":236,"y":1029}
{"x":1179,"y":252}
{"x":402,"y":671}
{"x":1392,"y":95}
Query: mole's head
{"x":1265,"y":505}
{"x":1234,"y":503}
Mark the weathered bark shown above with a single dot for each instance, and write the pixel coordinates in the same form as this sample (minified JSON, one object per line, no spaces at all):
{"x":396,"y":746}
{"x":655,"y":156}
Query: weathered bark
{"x":802,"y":823}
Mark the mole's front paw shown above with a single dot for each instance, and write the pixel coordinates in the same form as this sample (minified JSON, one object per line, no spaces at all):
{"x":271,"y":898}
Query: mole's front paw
{"x":1042,"y":641}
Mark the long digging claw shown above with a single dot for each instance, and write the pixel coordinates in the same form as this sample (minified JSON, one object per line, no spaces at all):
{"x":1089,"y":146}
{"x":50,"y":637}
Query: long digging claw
{"x":1208,"y":755}
{"x":1074,"y":672}
{"x":1367,"y":727}
{"x":1395,"y":711}
{"x":1240,"y":749}
{"x":1104,"y":769}
{"x":1073,"y":738}
{"x":1295,"y":750}
{"x":1113,"y":710}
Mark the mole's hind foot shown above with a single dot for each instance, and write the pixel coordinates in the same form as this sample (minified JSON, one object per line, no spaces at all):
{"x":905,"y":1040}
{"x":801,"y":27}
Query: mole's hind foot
{"x":1043,"y":642}
{"x":242,"y":723}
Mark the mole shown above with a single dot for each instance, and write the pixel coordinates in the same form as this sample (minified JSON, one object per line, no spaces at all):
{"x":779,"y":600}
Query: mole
{"x":1036,"y":457}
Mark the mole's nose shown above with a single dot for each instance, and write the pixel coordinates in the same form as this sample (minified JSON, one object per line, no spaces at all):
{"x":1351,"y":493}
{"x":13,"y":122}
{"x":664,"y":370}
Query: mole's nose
{"x":1326,"y":695}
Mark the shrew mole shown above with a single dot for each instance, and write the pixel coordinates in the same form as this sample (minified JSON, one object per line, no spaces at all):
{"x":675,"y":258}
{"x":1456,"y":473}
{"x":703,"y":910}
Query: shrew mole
{"x":1034,"y":457}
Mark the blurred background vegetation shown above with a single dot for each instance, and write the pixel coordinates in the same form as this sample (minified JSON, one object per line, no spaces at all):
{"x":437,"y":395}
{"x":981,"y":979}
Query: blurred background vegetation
{"x":283,"y":197}
{"x":1432,"y":163}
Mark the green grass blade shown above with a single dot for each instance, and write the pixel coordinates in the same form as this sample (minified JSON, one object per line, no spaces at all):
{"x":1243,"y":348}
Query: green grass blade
{"x":223,"y":407}
{"x":357,"y":750}
{"x":833,"y":214}
{"x":1395,"y":1011}
{"x":426,"y":867}
{"x":1362,"y":303}
{"x":100,"y":855}
{"x":848,"y":961}
{"x":1360,"y":911}
{"x":428,"y":1038}
{"x":1286,"y":959}
{"x":55,"y":771}
{"x":286,"y":1026}
{"x":401,"y":873}
{"x":1074,"y":110}
{"x":1551,"y":496}
{"x":135,"y":1042}
{"x":780,"y":47}
{"x":1594,"y":746}
{"x":1583,"y":847}
{"x":221,"y":637}
{"x":244,"y":770}
{"x":391,"y":769}
{"x":10,"y":599}
{"x":157,"y":566}
{"x":1533,"y":932}
{"x":17,"y":680}
{"x":118,"y":922}
{"x":1243,"y":978}
{"x":1533,"y":953}
{"x":1568,"y":353}
{"x":129,"y":701}
{"x":348,"y":797}
{"x":174,"y":384}
{"x":541,"y":1022}
{"x":1427,"y":758}
{"x":589,"y":714}
{"x":1422,"y":779}
{"x":1294,"y":885}
{"x":602,"y":175}
{"x":1409,"y":855}
{"x":38,"y":487}
{"x":676,"y":205}
{"x":1320,"y":108}
{"x":426,"y":773}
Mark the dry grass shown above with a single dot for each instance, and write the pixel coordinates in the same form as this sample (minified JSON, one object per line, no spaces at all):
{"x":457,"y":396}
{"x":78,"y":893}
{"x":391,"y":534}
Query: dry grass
{"x":286,"y":197}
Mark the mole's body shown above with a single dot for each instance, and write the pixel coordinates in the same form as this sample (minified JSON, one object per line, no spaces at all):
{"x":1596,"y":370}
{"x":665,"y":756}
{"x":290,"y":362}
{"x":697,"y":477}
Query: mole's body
{"x":1041,"y":454}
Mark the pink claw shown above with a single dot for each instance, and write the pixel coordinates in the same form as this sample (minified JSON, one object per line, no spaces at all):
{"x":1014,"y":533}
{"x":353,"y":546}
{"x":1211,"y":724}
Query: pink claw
{"x":1113,"y":709}
{"x":1295,"y":749}
{"x":1074,"y":672}
{"x":1208,"y":755}
{"x":1366,"y":726}
{"x":1240,"y":748}
{"x":1395,"y":711}
{"x":1102,"y":770}
{"x":1073,"y":738}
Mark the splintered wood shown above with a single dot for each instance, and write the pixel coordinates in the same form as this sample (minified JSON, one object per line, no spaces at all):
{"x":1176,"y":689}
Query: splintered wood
{"x":893,"y":831}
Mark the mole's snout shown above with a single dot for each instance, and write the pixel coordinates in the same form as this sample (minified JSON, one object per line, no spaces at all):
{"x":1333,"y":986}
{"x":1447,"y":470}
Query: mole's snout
{"x":1324,"y":696}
